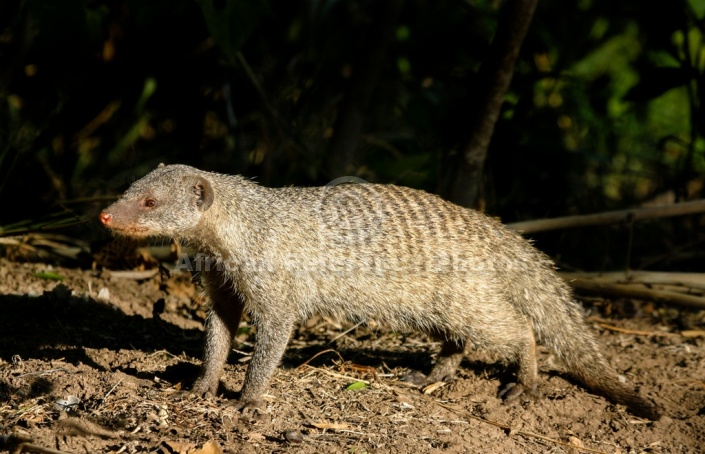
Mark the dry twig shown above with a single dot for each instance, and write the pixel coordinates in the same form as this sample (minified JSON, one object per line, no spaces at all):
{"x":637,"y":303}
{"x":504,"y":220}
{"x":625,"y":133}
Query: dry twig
{"x":636,"y":331}
{"x":333,"y":374}
{"x":305,"y":363}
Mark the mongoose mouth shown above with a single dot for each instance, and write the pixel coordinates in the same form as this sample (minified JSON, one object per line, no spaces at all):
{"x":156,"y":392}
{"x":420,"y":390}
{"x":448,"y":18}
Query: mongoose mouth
{"x":131,"y":230}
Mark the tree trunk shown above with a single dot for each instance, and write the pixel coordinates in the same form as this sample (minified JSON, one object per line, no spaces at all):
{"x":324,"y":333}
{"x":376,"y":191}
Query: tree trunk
{"x":463,"y":173}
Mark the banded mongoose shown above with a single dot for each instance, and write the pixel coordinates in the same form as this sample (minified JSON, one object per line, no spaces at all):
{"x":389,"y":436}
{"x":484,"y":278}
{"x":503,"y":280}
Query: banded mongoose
{"x":364,"y":252}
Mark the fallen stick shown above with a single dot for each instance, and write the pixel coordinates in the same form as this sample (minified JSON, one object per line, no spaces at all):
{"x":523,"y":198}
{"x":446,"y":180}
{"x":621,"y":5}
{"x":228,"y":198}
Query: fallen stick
{"x":596,"y":287}
{"x":692,"y":280}
{"x":610,"y":217}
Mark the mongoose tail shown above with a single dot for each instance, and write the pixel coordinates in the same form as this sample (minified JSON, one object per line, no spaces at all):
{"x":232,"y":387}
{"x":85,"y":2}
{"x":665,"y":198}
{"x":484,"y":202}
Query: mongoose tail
{"x":620,"y":393}
{"x":562,"y":328}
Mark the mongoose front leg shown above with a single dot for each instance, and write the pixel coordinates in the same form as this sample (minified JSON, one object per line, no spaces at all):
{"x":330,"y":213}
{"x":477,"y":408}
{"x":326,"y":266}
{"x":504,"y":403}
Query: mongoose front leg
{"x":221,"y":326}
{"x":272,"y":337}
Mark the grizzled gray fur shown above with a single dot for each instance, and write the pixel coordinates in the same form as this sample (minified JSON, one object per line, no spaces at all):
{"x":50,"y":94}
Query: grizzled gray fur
{"x":364,"y":252}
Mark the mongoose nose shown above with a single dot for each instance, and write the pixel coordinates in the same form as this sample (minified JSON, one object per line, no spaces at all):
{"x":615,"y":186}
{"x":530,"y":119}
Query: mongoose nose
{"x":105,"y":217}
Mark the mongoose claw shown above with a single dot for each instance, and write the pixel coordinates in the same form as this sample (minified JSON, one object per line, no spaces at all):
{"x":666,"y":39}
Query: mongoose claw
{"x":253,"y":410}
{"x":201,"y":395}
{"x":415,"y":377}
{"x":202,"y":389}
{"x":189,"y":394}
{"x":511,"y":392}
{"x":246,"y":405}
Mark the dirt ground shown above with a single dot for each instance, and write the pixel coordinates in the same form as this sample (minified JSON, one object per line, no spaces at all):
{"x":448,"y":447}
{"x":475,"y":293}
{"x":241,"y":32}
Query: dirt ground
{"x":94,"y":363}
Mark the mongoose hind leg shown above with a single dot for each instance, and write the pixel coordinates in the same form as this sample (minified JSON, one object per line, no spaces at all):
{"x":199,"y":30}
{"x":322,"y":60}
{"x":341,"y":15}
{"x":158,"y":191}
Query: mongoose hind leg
{"x":221,"y":326}
{"x":527,"y":370}
{"x":449,"y":359}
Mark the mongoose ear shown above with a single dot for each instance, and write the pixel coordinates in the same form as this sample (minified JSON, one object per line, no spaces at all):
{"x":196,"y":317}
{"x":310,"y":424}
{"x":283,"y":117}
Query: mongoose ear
{"x":204,"y":192}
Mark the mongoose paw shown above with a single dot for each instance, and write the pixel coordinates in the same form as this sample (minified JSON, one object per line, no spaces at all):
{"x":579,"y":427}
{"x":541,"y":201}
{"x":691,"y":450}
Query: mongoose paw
{"x":200,"y":395}
{"x":252,"y":410}
{"x":420,"y":379}
{"x":417,"y":378}
{"x":202,"y":389}
{"x":511,"y":392}
{"x":245,"y":405}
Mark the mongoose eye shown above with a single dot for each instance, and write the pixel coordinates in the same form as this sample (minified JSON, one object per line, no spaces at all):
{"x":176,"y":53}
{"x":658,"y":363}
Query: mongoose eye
{"x":150,"y":203}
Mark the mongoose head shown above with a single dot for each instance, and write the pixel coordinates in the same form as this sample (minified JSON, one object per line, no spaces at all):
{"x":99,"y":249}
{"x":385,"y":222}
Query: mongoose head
{"x":169,"y":201}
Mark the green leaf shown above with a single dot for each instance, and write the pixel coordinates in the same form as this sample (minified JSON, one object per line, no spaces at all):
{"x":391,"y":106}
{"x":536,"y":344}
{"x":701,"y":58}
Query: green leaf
{"x":355,"y":386}
{"x":49,"y":275}
{"x":698,"y":7}
{"x":244,"y":330}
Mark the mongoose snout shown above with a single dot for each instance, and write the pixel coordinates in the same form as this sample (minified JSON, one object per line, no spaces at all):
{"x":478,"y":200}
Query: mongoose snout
{"x":105,"y":218}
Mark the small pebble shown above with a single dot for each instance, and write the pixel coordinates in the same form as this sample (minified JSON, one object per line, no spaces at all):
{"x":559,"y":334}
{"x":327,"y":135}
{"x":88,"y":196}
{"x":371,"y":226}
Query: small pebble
{"x":104,"y":295}
{"x":293,"y":436}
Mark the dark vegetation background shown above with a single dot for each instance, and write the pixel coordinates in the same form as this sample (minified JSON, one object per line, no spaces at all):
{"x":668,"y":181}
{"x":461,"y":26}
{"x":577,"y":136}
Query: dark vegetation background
{"x":605,"y":109}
